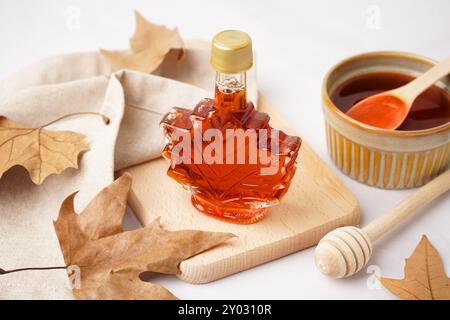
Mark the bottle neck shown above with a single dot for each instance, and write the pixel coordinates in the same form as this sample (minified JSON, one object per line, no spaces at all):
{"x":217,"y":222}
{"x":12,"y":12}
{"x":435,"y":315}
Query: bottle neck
{"x":230,"y":92}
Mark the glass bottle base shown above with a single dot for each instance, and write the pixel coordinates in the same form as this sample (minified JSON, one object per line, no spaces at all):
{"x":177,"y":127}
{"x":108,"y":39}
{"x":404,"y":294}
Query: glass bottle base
{"x":232,"y":214}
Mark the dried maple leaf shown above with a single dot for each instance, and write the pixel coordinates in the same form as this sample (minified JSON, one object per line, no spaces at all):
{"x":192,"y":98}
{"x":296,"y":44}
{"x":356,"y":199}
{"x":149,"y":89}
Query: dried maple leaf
{"x":123,"y":285}
{"x":41,"y":152}
{"x":425,"y":277}
{"x":111,"y":259}
{"x":149,"y":45}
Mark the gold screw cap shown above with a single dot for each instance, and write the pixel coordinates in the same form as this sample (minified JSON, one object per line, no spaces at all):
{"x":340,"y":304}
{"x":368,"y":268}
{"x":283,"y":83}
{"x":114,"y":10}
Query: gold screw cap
{"x":231,"y":51}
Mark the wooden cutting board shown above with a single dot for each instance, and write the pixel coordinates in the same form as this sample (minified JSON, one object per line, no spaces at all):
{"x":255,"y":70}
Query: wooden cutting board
{"x":316,"y":203}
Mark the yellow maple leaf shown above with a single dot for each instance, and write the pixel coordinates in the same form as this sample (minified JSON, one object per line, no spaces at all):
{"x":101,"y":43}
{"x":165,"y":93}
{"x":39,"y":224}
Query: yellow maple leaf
{"x":425,"y":277}
{"x":41,"y":152}
{"x":149,"y":45}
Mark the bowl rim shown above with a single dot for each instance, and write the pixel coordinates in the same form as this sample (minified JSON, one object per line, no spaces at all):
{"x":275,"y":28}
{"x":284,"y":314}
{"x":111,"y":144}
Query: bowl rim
{"x":402,"y":133}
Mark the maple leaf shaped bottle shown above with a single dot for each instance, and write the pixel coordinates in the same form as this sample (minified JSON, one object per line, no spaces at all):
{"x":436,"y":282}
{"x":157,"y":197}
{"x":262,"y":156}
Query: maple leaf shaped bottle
{"x":224,"y":151}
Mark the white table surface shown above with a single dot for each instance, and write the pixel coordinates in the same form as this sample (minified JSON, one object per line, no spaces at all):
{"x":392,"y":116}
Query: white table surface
{"x":296,"y":43}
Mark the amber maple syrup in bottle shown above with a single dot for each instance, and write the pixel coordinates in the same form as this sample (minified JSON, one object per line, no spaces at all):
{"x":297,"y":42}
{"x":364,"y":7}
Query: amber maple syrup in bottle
{"x":224,"y":151}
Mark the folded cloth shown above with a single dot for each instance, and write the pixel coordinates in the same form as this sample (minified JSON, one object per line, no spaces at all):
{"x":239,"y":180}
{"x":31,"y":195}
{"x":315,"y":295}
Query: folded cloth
{"x":133,"y":101}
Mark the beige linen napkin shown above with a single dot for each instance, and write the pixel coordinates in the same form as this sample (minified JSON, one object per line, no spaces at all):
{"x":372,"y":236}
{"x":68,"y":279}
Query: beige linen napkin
{"x":56,"y":86}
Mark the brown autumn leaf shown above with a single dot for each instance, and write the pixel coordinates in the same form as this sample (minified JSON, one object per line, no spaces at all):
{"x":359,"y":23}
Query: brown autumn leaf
{"x":149,"y":45}
{"x":41,"y":152}
{"x":111,"y":259}
{"x":125,"y":285}
{"x":425,"y":277}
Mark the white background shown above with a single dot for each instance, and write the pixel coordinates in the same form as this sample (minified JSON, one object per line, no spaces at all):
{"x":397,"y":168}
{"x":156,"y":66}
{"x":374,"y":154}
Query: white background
{"x":296,"y":43}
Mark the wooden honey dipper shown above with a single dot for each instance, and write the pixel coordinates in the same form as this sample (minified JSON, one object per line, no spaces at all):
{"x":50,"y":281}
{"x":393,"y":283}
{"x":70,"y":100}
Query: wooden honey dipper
{"x":345,"y":251}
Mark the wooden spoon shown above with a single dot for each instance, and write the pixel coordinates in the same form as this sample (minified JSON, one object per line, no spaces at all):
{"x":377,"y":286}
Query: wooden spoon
{"x":389,"y":109}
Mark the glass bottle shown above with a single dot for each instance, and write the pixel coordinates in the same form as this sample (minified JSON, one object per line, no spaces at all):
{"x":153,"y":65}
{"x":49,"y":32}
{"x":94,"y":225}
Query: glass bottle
{"x":224,"y":151}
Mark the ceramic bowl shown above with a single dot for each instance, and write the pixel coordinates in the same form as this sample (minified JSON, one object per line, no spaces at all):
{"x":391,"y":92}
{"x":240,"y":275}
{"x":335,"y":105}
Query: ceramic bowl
{"x":390,"y":159}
